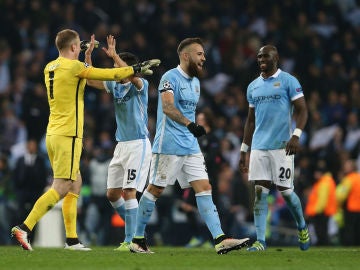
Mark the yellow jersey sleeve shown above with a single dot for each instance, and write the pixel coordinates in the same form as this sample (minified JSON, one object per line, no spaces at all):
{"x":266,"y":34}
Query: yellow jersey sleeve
{"x":106,"y":74}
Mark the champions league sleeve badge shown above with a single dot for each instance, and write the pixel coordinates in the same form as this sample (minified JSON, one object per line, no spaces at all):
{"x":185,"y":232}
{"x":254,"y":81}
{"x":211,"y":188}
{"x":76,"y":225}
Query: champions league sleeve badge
{"x":166,"y":85}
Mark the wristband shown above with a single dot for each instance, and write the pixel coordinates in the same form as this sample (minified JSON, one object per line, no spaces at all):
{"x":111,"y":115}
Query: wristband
{"x":244,"y":147}
{"x":297,"y":132}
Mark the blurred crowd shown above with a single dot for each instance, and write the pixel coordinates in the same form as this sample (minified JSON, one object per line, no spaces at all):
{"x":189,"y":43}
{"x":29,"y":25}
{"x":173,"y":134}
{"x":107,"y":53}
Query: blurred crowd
{"x":318,"y":42}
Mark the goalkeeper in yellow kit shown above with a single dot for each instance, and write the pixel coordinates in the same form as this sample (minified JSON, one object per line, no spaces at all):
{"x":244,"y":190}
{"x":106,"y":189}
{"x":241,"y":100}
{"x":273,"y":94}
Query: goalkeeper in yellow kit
{"x":65,"y":79}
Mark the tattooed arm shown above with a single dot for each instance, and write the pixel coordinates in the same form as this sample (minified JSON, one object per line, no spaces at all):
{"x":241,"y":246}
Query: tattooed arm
{"x":167,"y":99}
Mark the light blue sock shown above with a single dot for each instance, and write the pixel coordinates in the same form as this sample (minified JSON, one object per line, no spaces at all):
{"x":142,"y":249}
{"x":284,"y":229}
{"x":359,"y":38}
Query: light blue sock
{"x":130,"y":223}
{"x":260,"y":215}
{"x":294,"y":204}
{"x":121,"y":211}
{"x":145,"y":209}
{"x":119,"y":207}
{"x":209,"y":213}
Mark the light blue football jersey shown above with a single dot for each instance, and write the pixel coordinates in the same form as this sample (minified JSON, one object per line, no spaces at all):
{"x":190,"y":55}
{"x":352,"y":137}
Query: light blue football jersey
{"x":172,"y":138}
{"x":131,"y":107}
{"x":271,"y":98}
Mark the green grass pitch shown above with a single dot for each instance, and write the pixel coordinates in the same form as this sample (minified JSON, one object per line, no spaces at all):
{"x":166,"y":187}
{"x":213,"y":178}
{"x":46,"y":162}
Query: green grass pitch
{"x":13,"y":258}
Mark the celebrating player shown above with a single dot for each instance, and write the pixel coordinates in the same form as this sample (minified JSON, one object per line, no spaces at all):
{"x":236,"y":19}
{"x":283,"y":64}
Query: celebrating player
{"x":271,"y":98}
{"x":176,"y":151}
{"x":129,"y":168}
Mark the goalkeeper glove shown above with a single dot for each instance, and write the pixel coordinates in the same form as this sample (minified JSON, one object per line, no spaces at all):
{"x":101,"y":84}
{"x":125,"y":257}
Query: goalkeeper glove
{"x":144,"y":67}
{"x":196,"y":129}
{"x":85,"y":44}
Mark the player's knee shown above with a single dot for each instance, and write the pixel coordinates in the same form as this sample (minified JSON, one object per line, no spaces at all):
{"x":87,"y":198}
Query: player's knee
{"x":201,"y":186}
{"x":155,"y":190}
{"x":113,"y":194}
{"x":129,"y":193}
{"x":259,"y":190}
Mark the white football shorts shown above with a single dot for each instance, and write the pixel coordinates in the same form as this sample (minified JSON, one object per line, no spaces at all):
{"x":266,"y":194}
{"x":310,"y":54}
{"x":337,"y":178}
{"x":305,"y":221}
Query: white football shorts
{"x":166,"y":169}
{"x":129,"y":167}
{"x":272,"y":165}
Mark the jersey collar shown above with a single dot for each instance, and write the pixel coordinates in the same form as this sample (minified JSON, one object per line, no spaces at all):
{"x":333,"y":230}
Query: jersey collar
{"x":275,"y":75}
{"x":182,"y":72}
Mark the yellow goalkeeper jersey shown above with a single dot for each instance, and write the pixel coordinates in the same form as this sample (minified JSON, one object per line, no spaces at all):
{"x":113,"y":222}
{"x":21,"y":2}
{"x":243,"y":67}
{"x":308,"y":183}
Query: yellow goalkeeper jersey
{"x":65,"y":81}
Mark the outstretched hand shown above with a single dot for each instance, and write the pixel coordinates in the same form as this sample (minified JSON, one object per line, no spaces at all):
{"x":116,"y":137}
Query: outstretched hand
{"x":144,"y":68}
{"x":111,"y":49}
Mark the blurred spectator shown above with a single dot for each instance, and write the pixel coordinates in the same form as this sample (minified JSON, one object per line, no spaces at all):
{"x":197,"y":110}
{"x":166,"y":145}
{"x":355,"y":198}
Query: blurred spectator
{"x":354,"y":95}
{"x":99,"y":211}
{"x":321,"y":203}
{"x":30,"y":177}
{"x":90,"y":15}
{"x":85,"y":194}
{"x":333,"y":111}
{"x":230,"y":150}
{"x":224,"y":200}
{"x":35,"y":111}
{"x":210,"y":147}
{"x":5,"y":54}
{"x":347,"y":195}
{"x":352,"y":135}
{"x":240,"y":209}
{"x":11,"y":128}
{"x":324,"y":26}
{"x":6,"y":196}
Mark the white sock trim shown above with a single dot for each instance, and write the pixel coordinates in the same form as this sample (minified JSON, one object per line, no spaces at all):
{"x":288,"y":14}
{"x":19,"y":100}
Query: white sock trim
{"x":131,"y":204}
{"x":286,"y":192}
{"x":118,"y":203}
{"x":148,"y":195}
{"x":204,"y":193}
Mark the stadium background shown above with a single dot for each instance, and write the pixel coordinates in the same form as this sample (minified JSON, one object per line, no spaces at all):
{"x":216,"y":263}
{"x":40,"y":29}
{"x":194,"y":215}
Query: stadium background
{"x":318,"y":42}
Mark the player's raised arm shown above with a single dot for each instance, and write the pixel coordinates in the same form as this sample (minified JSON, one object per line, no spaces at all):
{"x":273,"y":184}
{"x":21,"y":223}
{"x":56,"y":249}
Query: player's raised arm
{"x":113,"y":74}
{"x":88,"y":52}
{"x":119,"y":62}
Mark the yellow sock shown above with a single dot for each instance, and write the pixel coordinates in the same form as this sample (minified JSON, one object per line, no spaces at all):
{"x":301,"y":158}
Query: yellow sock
{"x":41,"y":206}
{"x":69,"y":210}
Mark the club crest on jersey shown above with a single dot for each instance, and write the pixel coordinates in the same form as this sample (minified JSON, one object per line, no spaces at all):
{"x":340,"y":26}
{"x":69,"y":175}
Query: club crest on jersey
{"x":166,"y":85}
{"x":197,"y":90}
{"x":298,"y":89}
{"x":87,"y":65}
{"x":276,"y":84}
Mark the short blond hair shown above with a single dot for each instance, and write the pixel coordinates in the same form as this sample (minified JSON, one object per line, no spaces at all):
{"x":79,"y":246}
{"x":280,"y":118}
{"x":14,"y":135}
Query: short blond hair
{"x":65,"y":38}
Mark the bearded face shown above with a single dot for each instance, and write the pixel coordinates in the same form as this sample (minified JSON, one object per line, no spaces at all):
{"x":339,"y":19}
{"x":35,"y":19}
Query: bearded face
{"x":195,"y":68}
